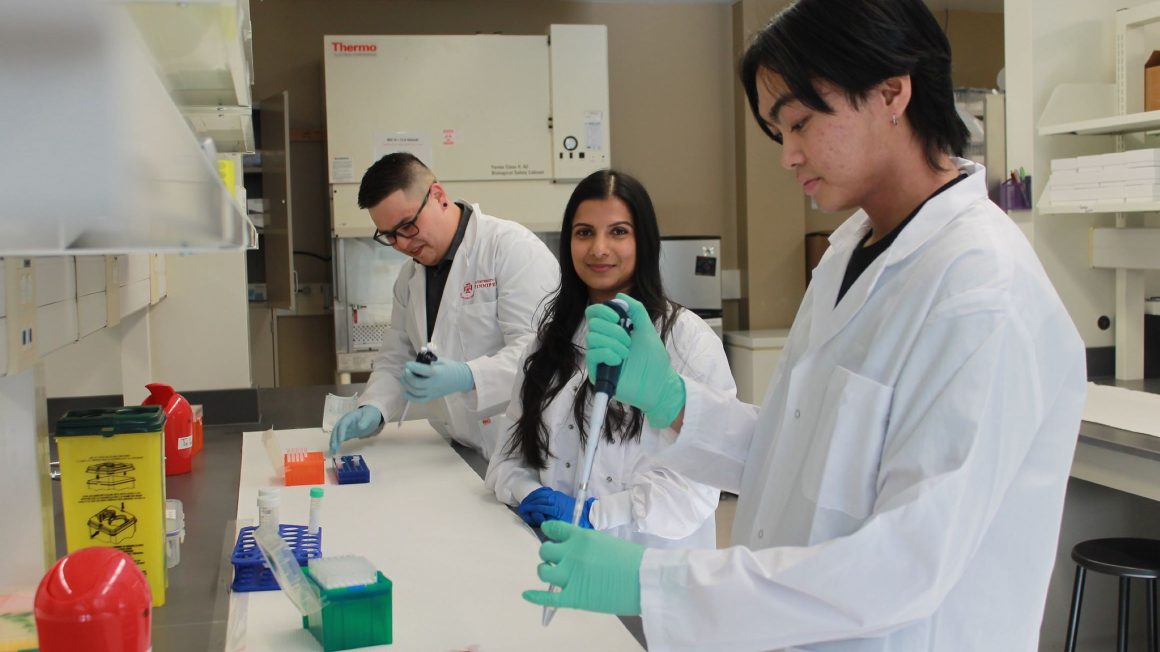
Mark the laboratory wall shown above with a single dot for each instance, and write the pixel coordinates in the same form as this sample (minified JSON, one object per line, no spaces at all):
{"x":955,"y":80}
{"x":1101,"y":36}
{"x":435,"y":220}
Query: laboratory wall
{"x":200,"y":334}
{"x":670,"y":83}
{"x":977,"y":51}
{"x":773,"y":215}
{"x":1062,"y":41}
{"x":196,"y":338}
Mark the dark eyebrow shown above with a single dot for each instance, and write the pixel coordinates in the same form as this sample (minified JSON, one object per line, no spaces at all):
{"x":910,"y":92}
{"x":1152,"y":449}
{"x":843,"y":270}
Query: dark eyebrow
{"x":780,"y":104}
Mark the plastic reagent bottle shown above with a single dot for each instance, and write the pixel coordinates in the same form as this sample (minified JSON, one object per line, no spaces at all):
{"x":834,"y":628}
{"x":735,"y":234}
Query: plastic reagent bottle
{"x":268,"y":503}
{"x":315,"y":509}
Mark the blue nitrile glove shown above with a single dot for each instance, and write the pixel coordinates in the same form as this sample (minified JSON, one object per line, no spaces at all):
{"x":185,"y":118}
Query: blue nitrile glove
{"x":647,"y":379}
{"x":427,"y":382}
{"x":595,"y":571}
{"x":362,"y":422}
{"x":547,"y":504}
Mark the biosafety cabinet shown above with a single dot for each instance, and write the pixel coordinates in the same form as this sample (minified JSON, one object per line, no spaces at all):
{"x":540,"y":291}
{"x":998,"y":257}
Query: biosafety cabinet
{"x":508,"y":122}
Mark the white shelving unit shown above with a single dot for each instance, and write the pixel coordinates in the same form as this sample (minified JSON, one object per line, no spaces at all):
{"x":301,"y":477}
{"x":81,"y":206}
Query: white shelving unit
{"x":99,"y":157}
{"x":203,"y":49}
{"x":1102,"y":110}
{"x":1046,"y":208}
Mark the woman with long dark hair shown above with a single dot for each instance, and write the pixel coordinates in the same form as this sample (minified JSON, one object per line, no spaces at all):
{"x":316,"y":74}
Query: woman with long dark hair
{"x":609,"y":243}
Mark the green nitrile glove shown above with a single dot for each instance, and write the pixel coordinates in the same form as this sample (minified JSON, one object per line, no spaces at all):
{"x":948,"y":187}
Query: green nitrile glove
{"x":647,"y":379}
{"x":595,"y":571}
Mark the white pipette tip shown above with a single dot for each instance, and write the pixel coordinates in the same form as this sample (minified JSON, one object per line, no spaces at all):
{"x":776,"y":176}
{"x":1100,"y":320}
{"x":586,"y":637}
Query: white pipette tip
{"x":546,"y":619}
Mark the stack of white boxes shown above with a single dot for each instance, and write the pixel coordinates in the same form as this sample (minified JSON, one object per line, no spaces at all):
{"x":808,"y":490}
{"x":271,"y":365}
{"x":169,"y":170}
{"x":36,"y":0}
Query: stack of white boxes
{"x":1130,"y":177}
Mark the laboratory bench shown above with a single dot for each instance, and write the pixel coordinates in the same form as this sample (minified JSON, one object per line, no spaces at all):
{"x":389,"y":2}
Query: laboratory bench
{"x":1119,"y":459}
{"x":196,"y":615}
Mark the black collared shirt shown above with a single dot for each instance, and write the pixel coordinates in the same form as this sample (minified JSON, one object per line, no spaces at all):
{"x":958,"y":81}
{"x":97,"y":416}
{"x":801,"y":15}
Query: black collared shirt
{"x":437,"y":273}
{"x":865,"y":254}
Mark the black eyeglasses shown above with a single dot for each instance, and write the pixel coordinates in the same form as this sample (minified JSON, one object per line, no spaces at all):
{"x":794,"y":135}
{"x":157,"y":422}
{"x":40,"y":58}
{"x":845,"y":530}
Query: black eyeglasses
{"x":407,"y":229}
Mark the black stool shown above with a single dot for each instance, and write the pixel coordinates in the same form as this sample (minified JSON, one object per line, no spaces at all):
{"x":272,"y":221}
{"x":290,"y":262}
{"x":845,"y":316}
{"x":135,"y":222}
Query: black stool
{"x":1124,"y":558}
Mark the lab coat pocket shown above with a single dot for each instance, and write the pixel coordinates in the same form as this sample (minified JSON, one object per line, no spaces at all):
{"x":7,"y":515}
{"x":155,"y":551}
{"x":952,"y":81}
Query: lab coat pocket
{"x":841,"y":468}
{"x":479,"y":329}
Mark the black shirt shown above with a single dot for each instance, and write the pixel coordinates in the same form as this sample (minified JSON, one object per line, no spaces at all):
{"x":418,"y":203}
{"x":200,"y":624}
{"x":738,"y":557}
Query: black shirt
{"x":437,"y":273}
{"x":865,"y":254}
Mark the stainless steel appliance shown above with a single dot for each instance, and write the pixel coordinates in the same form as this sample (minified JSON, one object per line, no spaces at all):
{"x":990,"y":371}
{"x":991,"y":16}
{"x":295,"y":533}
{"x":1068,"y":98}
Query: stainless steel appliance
{"x":691,"y":272}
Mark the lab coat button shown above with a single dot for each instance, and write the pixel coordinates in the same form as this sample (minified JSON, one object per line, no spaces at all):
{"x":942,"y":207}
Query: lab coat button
{"x":797,"y":414}
{"x":571,"y":427}
{"x":761,"y":534}
{"x":567,"y":465}
{"x":609,"y":478}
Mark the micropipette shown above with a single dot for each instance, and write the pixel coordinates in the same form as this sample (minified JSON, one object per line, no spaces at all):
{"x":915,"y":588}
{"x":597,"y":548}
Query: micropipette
{"x":606,"y":377}
{"x":426,"y":356}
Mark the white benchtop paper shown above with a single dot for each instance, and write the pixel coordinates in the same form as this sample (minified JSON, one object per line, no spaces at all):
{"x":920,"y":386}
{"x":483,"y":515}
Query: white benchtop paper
{"x":1123,"y":408}
{"x":459,"y":560}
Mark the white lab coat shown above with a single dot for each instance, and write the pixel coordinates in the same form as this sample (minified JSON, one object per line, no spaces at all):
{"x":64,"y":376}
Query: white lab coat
{"x":635,"y":501}
{"x":902,"y":484}
{"x":500,"y":275}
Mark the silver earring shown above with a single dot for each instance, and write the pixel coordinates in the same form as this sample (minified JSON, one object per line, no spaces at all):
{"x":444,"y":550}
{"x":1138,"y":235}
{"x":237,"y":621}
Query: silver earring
{"x":894,"y":120}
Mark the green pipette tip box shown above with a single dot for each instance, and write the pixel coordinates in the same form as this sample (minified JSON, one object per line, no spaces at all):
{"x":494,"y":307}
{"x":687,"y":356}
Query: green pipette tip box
{"x":353,"y":616}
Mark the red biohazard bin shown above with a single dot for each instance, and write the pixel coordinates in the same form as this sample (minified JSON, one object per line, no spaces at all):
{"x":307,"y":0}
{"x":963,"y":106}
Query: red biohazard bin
{"x":178,"y":427}
{"x":95,"y":599}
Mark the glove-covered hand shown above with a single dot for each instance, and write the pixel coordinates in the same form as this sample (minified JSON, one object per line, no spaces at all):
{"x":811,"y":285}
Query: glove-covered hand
{"x":595,"y":571}
{"x":547,"y":504}
{"x":362,"y":422}
{"x":427,"y":382}
{"x":647,"y":379}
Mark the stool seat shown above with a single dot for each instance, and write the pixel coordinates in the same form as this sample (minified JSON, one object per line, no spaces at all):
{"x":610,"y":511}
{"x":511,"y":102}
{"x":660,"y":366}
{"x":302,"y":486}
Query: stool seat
{"x":1127,"y":559}
{"x":1120,"y":557}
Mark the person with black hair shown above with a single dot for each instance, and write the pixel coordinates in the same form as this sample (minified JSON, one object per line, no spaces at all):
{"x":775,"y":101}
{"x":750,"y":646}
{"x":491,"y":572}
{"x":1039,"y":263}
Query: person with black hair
{"x":609,"y":243}
{"x":471,"y":288}
{"x":902,"y":484}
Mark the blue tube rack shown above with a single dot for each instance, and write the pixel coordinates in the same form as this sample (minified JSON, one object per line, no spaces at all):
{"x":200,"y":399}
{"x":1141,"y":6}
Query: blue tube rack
{"x":351,"y":469}
{"x":250,"y":570}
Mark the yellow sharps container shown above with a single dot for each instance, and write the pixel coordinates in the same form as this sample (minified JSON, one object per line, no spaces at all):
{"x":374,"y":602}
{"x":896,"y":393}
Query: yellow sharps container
{"x":112,"y":481}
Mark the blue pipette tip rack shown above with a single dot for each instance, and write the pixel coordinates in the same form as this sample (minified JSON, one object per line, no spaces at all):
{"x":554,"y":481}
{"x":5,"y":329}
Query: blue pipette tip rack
{"x":351,"y":469}
{"x":250,"y":570}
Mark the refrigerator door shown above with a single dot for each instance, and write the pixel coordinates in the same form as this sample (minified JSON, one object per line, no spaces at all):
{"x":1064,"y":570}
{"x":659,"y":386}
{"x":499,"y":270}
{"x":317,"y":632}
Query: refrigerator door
{"x":691,"y":270}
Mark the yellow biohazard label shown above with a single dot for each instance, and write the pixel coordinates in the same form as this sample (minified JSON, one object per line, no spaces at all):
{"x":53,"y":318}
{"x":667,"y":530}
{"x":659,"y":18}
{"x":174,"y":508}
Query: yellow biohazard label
{"x":113,"y":490}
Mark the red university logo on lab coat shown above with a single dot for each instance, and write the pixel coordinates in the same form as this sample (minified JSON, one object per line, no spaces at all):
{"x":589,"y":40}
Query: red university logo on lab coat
{"x":469,"y":288}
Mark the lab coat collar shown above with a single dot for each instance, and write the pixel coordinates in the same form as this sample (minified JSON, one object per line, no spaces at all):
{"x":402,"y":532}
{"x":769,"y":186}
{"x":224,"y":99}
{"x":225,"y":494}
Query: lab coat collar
{"x":827,"y":319}
{"x":417,"y":287}
{"x":446,"y":322}
{"x":935,"y":214}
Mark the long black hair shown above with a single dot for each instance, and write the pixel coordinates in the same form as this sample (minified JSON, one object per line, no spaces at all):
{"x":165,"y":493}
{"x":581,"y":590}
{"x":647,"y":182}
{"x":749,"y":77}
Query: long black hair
{"x":856,"y":44}
{"x":557,"y":359}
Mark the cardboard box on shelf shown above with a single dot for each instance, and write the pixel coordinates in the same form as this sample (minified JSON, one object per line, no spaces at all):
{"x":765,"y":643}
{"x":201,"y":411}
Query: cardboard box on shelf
{"x":1152,"y":82}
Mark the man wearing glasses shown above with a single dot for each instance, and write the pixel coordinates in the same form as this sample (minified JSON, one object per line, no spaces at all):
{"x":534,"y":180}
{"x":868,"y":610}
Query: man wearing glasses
{"x":471,"y":288}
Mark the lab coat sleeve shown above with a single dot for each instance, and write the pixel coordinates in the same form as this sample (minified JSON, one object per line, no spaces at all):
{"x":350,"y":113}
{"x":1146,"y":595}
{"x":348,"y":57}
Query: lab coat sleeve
{"x":981,"y":387}
{"x":384,"y":389}
{"x":527,"y":274}
{"x":715,"y":437}
{"x":507,"y":475}
{"x":660,"y":501}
